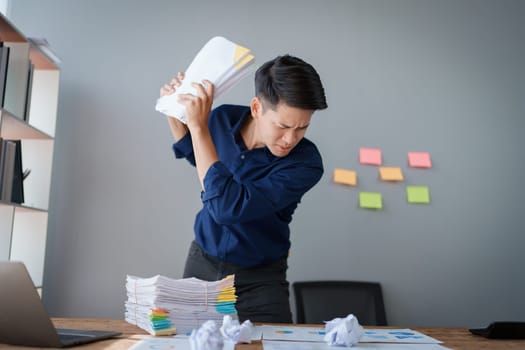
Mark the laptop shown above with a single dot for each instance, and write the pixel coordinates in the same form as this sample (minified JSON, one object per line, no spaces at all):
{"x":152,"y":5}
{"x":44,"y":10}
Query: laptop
{"x":24,"y":319}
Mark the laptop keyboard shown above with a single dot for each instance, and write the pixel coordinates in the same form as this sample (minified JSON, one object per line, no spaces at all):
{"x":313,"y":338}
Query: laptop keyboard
{"x":70,"y":337}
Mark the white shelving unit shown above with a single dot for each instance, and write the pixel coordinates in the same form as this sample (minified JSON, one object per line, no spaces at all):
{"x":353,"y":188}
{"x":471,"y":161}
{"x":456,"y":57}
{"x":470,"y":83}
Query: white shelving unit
{"x":28,"y":115}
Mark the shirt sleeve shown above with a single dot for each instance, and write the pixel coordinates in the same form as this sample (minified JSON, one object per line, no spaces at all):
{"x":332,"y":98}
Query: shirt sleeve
{"x":184,"y":149}
{"x":230,"y":201}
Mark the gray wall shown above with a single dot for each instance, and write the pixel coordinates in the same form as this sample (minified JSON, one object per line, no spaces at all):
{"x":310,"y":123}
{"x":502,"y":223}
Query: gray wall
{"x":443,"y":76}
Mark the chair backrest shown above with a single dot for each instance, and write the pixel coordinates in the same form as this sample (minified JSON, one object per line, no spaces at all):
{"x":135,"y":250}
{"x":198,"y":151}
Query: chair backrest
{"x":318,"y":301}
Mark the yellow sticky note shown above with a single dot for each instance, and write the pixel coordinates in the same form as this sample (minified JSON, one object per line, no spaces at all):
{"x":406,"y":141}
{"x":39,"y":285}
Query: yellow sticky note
{"x":370,"y":200}
{"x":167,"y":331}
{"x":418,"y":194}
{"x":240,"y":52}
{"x":244,"y":61}
{"x":390,"y":173}
{"x":225,"y":298}
{"x":345,"y":177}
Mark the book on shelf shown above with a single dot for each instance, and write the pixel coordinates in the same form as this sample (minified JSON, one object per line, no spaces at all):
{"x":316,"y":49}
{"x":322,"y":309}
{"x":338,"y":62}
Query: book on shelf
{"x":17,"y":191}
{"x":4,"y":60}
{"x":11,"y":173}
{"x":7,"y":169}
{"x":16,"y":79}
{"x":220,"y":61}
{"x":2,"y":161}
{"x":29,"y":90}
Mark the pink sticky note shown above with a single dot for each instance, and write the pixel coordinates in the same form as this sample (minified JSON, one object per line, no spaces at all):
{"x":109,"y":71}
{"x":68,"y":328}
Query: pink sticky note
{"x":370,"y":156}
{"x":419,"y":160}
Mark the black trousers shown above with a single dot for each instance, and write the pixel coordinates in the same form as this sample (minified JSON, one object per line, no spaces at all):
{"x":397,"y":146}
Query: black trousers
{"x":262,"y":291}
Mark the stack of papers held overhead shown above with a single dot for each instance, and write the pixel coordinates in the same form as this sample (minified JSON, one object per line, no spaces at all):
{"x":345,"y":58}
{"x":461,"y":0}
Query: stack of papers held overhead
{"x":220,"y":61}
{"x":187,"y":303}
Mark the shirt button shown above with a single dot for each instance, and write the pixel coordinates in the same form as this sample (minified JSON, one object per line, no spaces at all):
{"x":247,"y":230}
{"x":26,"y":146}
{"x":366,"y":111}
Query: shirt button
{"x":242,"y":156}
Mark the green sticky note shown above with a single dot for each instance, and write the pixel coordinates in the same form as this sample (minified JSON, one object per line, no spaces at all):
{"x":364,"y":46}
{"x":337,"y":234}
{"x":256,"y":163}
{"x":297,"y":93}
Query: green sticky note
{"x":370,"y":200}
{"x":418,"y":194}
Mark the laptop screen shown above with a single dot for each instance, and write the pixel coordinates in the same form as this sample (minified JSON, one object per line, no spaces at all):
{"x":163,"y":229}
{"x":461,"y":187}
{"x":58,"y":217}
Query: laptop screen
{"x":23,"y":317}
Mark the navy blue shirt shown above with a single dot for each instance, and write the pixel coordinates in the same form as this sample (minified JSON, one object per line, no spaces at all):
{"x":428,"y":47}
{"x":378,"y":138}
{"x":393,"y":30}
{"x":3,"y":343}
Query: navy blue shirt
{"x":249,"y":195}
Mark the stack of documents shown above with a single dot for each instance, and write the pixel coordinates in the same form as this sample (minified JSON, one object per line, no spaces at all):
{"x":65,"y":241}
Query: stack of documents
{"x":187,"y":303}
{"x":220,"y":61}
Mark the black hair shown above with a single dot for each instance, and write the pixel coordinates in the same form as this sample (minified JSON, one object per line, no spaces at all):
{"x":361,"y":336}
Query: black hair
{"x":290,"y":80}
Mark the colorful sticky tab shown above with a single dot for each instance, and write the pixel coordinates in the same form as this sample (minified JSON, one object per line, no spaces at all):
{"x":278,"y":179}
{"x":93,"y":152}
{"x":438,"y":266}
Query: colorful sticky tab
{"x":371,"y":156}
{"x":390,"y":173}
{"x":345,"y":177}
{"x":418,"y":194}
{"x":167,"y":331}
{"x":160,"y":323}
{"x":370,"y":200}
{"x":159,"y":312}
{"x":419,"y":160}
{"x":226,"y":308}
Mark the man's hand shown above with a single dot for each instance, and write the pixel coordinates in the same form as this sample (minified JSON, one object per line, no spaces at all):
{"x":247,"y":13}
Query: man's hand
{"x":198,"y":106}
{"x":169,"y":88}
{"x":178,"y":129}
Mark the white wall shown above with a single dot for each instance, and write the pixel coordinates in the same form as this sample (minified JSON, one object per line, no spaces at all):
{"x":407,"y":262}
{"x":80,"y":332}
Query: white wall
{"x":440,"y":76}
{"x":4,"y":7}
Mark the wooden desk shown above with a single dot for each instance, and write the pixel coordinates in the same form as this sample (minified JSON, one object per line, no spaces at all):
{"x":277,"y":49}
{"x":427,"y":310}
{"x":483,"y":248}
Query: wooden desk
{"x":454,"y":338}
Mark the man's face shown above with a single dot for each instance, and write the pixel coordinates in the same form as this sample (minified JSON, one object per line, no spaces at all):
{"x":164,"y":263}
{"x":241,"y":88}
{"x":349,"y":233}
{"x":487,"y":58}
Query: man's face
{"x":281,"y":129}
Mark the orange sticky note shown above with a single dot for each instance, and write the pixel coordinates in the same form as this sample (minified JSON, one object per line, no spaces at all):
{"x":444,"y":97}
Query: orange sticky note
{"x":345,"y":177}
{"x":158,"y":311}
{"x":370,"y":156}
{"x":419,"y":160}
{"x":390,"y":173}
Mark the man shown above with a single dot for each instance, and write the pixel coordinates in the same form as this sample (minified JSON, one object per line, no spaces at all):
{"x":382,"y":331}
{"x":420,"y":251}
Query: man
{"x":254,"y":165}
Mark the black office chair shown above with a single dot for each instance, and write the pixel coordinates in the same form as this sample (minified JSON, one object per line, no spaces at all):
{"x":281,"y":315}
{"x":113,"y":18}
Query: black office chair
{"x":318,"y":301}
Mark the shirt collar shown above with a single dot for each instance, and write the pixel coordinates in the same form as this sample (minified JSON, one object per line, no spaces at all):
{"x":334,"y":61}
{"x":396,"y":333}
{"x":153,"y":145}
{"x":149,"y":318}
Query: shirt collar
{"x":237,"y":126}
{"x":236,"y":130}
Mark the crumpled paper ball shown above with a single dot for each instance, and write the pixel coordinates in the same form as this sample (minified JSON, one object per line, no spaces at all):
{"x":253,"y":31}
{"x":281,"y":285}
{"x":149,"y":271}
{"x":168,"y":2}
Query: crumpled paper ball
{"x":343,"y":331}
{"x":207,"y":337}
{"x":235,"y":332}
